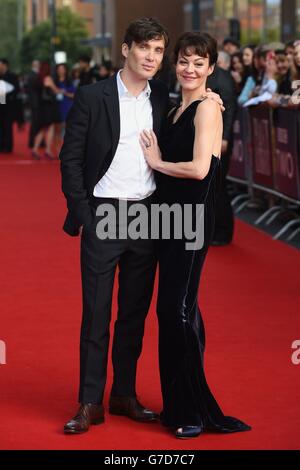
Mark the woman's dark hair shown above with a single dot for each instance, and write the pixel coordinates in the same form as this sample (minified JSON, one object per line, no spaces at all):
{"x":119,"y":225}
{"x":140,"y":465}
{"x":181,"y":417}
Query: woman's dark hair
{"x":250,"y":46}
{"x":196,"y":43}
{"x":68,"y":80}
{"x":145,"y":29}
{"x":239,"y":55}
{"x":45,"y":70}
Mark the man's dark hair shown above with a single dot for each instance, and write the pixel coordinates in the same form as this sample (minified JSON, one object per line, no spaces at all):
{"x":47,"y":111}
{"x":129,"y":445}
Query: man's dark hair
{"x":145,"y":29}
{"x":196,"y":43}
{"x":279,"y":52}
{"x":261,"y":52}
{"x":5,"y":62}
{"x":231,"y":40}
{"x":290,"y":44}
{"x":84,"y":58}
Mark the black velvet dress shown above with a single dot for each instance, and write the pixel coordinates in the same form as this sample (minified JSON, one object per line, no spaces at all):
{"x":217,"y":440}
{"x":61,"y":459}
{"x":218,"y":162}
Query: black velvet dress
{"x":187,"y":399}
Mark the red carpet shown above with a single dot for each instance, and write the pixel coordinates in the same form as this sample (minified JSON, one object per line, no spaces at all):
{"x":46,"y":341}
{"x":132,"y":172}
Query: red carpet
{"x":250,"y":302}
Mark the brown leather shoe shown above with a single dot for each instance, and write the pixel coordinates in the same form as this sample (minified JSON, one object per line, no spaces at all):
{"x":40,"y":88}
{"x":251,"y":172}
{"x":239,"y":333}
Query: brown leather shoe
{"x":130,"y":407}
{"x":87,"y":414}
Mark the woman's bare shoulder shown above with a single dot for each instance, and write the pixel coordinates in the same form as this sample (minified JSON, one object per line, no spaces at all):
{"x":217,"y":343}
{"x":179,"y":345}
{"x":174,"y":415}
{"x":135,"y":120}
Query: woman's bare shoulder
{"x":208,"y":111}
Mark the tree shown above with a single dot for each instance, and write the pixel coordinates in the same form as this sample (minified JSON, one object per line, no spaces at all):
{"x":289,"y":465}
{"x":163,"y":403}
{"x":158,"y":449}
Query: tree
{"x":36,"y":44}
{"x":9,"y":47}
{"x":71,"y":30}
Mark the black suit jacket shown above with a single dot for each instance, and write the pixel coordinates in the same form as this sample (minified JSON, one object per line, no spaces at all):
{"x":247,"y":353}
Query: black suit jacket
{"x":91,"y":140}
{"x":221,"y":82}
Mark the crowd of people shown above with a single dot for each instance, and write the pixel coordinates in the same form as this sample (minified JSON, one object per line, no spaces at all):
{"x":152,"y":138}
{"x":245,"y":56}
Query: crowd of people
{"x":44,"y":96}
{"x":246,"y":77}
{"x":264,"y":73}
{"x":257,"y":74}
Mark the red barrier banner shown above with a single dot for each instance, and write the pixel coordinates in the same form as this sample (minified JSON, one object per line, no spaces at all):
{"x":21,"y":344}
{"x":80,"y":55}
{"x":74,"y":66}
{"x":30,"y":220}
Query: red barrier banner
{"x":286,"y":155}
{"x":239,"y":160}
{"x":261,"y":127}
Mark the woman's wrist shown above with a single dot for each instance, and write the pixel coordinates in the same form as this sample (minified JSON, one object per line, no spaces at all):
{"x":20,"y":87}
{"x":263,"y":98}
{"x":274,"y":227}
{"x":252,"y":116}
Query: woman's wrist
{"x":159,"y":165}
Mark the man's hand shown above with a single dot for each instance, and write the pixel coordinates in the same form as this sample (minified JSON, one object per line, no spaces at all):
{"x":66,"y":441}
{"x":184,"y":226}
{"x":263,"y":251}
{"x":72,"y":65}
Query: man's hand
{"x":215,"y":97}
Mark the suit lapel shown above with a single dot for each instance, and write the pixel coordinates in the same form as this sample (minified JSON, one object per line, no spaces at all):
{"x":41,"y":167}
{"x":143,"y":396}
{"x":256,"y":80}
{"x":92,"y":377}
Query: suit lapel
{"x":111,"y":101}
{"x":154,"y":98}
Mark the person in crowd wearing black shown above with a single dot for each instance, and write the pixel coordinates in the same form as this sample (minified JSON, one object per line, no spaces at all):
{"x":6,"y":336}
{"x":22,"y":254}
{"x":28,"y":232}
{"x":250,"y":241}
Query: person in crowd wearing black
{"x":86,"y":72}
{"x":167,"y":75}
{"x":237,"y":70}
{"x":261,"y":54}
{"x":248,"y":61}
{"x":231,"y":45}
{"x":105,"y":70}
{"x":49,"y":114}
{"x":8,"y":110}
{"x":284,"y":73}
{"x":34,"y":91}
{"x":289,"y":52}
{"x":20,"y":103}
{"x":221,"y":82}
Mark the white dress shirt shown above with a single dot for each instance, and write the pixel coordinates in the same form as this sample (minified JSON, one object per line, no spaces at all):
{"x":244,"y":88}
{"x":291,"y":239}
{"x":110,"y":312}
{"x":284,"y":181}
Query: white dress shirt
{"x":5,"y":88}
{"x":129,"y":176}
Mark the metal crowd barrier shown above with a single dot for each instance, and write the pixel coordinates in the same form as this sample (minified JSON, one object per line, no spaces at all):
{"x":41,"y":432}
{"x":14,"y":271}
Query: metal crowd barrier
{"x":266,"y":156}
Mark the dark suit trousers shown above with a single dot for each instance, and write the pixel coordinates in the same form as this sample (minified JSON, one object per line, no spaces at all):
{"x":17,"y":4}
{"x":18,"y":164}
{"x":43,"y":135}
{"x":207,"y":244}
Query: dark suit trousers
{"x":137,"y":264}
{"x":6,"y":129}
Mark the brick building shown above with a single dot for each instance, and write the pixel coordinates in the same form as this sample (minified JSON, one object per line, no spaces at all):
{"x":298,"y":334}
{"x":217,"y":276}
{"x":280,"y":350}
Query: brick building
{"x":107,"y":19}
{"x":39,"y":10}
{"x":260,"y":20}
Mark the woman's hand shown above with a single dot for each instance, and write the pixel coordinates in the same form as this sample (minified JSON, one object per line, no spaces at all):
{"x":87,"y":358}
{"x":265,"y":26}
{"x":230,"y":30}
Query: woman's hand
{"x":151,"y":150}
{"x":48,"y":82}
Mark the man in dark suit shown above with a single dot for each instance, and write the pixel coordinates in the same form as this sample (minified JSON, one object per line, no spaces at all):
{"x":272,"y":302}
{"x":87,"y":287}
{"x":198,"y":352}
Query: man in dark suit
{"x":221,"y":82}
{"x":102,"y":162}
{"x":8,"y":111}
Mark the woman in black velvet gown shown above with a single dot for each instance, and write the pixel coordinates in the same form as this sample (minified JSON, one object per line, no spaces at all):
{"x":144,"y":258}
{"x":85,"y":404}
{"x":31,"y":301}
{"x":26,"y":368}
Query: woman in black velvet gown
{"x":187,"y":163}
